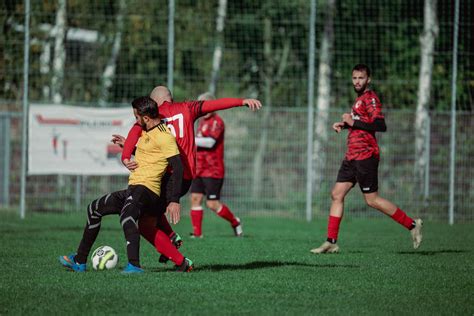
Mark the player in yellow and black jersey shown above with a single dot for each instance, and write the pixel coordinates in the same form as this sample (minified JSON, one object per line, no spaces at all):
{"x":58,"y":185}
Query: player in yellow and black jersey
{"x":156,"y":149}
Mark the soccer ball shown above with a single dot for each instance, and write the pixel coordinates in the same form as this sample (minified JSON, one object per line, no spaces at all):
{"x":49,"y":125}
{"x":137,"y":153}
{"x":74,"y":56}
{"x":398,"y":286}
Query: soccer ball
{"x":104,"y":257}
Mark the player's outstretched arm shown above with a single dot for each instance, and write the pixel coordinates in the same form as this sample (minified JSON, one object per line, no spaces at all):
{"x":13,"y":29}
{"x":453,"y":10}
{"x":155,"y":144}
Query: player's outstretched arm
{"x":209,"y":106}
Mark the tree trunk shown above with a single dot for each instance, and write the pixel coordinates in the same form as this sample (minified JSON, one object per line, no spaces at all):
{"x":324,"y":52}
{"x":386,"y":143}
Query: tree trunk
{"x":109,"y":72}
{"x":45,"y":66}
{"x":427,"y":41}
{"x":270,"y":77}
{"x":217,"y":57}
{"x":59,"y":53}
{"x":257,"y":175}
{"x":324,"y":97}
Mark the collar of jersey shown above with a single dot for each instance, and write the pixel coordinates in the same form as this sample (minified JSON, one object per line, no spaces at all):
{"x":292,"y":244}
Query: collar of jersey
{"x":153,"y":127}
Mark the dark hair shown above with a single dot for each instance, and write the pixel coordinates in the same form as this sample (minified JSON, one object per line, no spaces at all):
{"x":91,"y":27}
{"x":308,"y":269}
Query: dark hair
{"x":362,"y":67}
{"x":146,"y":106}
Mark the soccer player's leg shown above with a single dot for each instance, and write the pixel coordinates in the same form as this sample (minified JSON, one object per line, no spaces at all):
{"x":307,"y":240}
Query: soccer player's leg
{"x":106,"y":205}
{"x":196,"y":212}
{"x":213,"y":187}
{"x":367,"y":176}
{"x":161,"y":221}
{"x":344,"y":183}
{"x":138,"y":199}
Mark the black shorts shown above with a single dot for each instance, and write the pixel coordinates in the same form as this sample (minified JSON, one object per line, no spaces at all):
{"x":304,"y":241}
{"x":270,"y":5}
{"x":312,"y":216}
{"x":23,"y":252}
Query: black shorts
{"x":209,"y":186}
{"x":365,"y":172}
{"x":145,"y":199}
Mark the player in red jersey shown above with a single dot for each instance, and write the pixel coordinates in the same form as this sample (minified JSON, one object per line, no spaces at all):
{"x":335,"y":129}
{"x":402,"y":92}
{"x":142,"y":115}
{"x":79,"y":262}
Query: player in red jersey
{"x":180,"y":118}
{"x":361,"y":162}
{"x":210,"y":172}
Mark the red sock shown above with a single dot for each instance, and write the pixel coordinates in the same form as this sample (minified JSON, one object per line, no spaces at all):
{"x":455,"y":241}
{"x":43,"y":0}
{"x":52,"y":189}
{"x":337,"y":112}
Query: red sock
{"x":196,"y":220}
{"x":164,"y":246}
{"x":163,"y":224}
{"x":402,"y":218}
{"x":226,"y":214}
{"x":147,"y":228}
{"x":333,"y":227}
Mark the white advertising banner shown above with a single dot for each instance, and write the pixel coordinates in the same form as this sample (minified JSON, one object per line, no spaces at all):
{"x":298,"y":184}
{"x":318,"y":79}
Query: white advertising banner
{"x":76,"y":140}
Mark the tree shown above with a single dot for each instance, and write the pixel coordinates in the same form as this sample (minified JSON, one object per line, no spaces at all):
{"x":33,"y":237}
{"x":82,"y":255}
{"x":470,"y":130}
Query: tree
{"x":59,"y":53}
{"x":427,"y":41}
{"x":109,"y":72}
{"x":324,"y":97}
{"x":217,"y":56}
{"x":271,"y":75}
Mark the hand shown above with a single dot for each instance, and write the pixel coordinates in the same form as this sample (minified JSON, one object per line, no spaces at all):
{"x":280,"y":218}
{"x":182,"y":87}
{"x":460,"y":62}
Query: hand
{"x":118,"y":140}
{"x":253,"y":104}
{"x":338,"y":126}
{"x":130,"y":164}
{"x":347,"y":118}
{"x":173,"y":212}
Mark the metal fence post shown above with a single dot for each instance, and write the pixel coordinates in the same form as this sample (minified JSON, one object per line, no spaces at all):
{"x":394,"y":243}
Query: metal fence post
{"x":170,"y":44}
{"x":453,"y":113}
{"x":5,"y":172}
{"x":309,"y":162}
{"x":78,"y":196}
{"x":24,"y":128}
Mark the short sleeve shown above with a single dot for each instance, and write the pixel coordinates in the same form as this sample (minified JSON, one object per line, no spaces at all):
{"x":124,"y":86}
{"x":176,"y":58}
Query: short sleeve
{"x":373,"y":108}
{"x":167,"y":145}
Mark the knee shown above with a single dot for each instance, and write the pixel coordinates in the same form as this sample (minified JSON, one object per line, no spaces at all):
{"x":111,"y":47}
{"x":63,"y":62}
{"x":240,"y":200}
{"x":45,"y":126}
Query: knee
{"x":213,"y":205}
{"x":337,"y":196}
{"x":196,"y":199}
{"x":372,"y":202}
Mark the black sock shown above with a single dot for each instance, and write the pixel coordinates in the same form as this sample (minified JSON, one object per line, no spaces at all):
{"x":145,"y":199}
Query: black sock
{"x":332,"y":240}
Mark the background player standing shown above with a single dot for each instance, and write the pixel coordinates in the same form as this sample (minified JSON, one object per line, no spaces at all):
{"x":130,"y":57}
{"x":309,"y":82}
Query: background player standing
{"x":210,"y":172}
{"x":361,"y":162}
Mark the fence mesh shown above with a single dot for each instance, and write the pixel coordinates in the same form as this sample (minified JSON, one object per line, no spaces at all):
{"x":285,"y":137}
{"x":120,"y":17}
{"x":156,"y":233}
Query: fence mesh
{"x":115,"y":51}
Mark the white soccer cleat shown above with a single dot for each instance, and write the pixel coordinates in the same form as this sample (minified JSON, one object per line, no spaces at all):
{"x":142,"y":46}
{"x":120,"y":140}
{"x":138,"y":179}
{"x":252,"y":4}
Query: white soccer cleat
{"x":416,"y":234}
{"x":326,"y":247}
{"x":238,"y":229}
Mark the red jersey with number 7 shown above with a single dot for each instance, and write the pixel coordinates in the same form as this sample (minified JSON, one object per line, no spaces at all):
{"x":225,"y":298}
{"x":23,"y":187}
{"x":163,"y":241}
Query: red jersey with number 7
{"x":363,"y":144}
{"x":210,"y":161}
{"x":180,"y":118}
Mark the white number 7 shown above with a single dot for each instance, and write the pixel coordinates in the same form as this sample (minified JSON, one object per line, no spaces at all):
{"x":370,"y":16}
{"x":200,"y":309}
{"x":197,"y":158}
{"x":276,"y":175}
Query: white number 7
{"x":170,"y":122}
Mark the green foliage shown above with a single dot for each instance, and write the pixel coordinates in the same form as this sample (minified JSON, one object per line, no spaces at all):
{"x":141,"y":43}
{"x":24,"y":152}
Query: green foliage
{"x":269,"y":271}
{"x":383,"y":34}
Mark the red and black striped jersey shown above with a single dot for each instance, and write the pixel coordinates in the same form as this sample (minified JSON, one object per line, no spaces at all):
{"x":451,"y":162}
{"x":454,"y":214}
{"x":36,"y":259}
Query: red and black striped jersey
{"x":180,"y":118}
{"x":363,"y":144}
{"x":210,"y":161}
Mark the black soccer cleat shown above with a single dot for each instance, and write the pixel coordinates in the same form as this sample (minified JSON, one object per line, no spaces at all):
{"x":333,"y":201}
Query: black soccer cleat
{"x":186,"y":266}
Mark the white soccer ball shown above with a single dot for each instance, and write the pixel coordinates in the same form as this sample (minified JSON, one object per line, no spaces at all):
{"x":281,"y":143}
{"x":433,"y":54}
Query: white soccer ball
{"x":104,"y":257}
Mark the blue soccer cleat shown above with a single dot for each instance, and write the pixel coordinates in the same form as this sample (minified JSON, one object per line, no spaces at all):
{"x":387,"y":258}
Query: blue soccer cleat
{"x":70,"y":263}
{"x":130,"y":269}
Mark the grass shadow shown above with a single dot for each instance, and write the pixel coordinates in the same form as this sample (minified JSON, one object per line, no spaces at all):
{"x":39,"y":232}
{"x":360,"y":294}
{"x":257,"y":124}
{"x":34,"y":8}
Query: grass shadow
{"x":431,"y":252}
{"x":260,"y":265}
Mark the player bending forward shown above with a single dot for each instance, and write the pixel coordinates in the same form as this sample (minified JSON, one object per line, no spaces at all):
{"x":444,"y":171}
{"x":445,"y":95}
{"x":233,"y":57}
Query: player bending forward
{"x":361,"y":163}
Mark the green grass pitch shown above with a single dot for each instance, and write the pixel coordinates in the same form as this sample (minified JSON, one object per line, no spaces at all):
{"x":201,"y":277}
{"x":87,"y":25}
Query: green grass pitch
{"x":269,"y":271}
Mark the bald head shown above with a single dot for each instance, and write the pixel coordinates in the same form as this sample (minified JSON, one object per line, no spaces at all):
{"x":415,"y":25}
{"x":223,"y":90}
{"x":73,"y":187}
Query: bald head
{"x":161,"y":94}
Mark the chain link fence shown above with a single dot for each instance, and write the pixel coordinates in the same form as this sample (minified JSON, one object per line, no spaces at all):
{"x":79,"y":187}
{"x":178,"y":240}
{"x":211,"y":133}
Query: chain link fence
{"x":106,"y":53}
{"x":281,"y":189}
